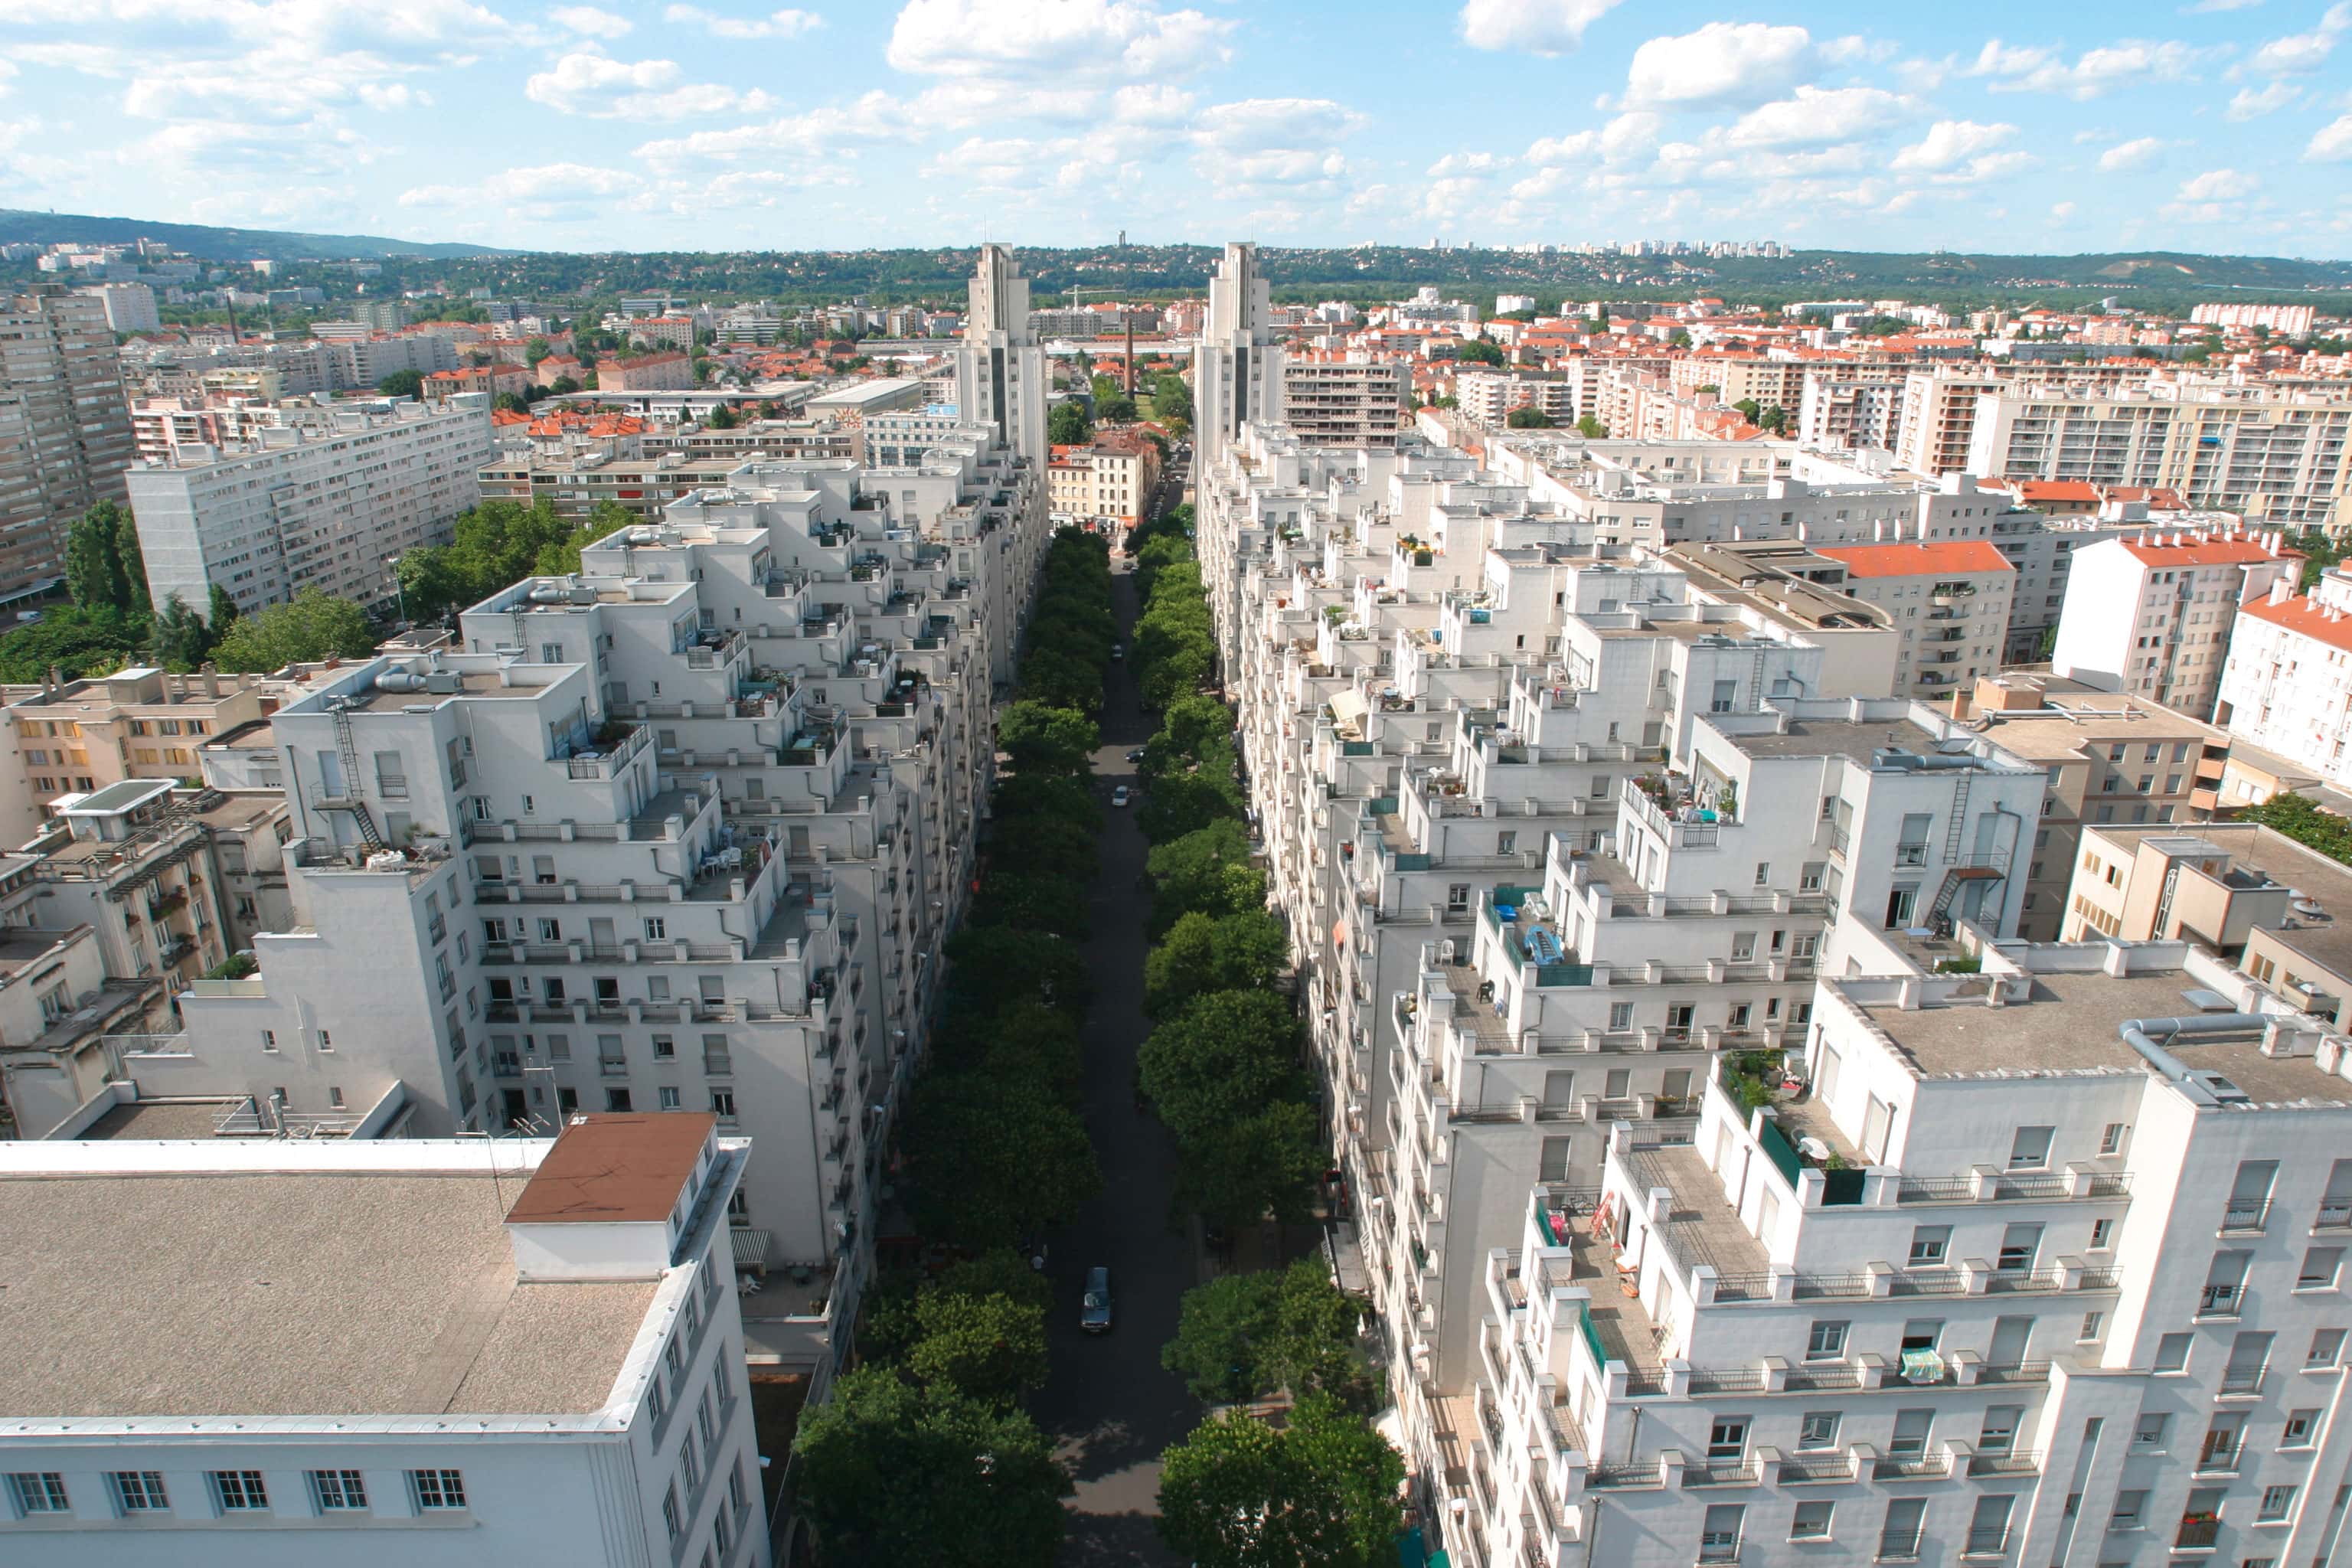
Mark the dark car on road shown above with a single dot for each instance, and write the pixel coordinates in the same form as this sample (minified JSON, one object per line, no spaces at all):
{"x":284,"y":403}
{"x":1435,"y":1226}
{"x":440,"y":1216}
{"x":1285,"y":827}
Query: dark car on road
{"x":1094,"y":1309}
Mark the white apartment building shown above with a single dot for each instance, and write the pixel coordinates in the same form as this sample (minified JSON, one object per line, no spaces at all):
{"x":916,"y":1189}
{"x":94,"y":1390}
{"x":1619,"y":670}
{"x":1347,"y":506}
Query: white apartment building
{"x":1837,"y":411}
{"x":65,"y":428}
{"x":2288,"y":320}
{"x":381,"y":1352}
{"x":2282,"y":459}
{"x":1002,"y":380}
{"x":1936,"y":424}
{"x":1950,"y":601}
{"x":685,"y":832}
{"x":2039,"y":1264}
{"x":130,"y":307}
{"x":2152,"y":615}
{"x":2287,"y":685}
{"x":319,"y":504}
{"x":1487,"y":397}
{"x":1237,"y":360}
{"x":1335,"y":402}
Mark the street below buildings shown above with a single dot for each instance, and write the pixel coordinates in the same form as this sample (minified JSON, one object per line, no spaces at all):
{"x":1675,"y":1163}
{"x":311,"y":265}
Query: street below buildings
{"x":1107,"y":1403}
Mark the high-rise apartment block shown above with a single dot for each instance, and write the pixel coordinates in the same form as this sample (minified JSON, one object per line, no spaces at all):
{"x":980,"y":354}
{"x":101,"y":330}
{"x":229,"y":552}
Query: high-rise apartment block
{"x":1002,"y":381}
{"x":65,"y":428}
{"x":380,"y":1351}
{"x":1335,"y":400}
{"x":2152,"y":615}
{"x":322,"y":503}
{"x":1236,"y":363}
{"x":130,"y":307}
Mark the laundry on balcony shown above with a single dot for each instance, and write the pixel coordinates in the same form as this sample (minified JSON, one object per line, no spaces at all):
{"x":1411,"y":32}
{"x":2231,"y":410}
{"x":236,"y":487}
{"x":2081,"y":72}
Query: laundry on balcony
{"x":1922,"y":1366}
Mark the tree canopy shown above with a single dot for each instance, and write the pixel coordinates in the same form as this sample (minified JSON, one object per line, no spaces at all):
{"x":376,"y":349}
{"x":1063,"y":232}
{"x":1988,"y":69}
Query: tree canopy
{"x":1242,"y":1336}
{"x":311,"y":627}
{"x":1322,"y":1490}
{"x":496,"y":544}
{"x":1243,"y":951}
{"x":104,"y":569}
{"x":1067,"y":424}
{"x":1218,"y":1057}
{"x":409,"y":384}
{"x":993,"y":1158}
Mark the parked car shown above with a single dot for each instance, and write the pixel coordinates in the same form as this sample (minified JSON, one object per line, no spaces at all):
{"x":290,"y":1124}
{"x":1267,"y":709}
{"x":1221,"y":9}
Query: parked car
{"x":1118,"y":796}
{"x":1118,"y":650}
{"x":1136,"y":755}
{"x":1095,"y":1310}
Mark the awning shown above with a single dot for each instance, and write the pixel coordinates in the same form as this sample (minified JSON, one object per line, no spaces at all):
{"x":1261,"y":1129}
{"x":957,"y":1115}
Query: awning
{"x":751,"y":1246}
{"x":1344,"y":1253}
{"x":1348,"y":708}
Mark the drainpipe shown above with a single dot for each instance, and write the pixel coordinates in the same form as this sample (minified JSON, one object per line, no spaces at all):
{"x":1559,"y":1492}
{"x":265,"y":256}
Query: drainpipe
{"x":2135,"y":1032}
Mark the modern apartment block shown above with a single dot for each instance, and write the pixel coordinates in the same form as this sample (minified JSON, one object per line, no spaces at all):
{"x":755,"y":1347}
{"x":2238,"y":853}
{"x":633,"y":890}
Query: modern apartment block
{"x":2281,"y":458}
{"x":1336,"y":401}
{"x":2152,"y":615}
{"x":685,"y":832}
{"x":321,"y":503}
{"x":2036,"y":1264}
{"x":1487,"y":397}
{"x":1950,"y":601}
{"x":65,"y":428}
{"x":1236,"y":361}
{"x":2287,"y":685}
{"x":1002,"y":380}
{"x":382,"y":1352}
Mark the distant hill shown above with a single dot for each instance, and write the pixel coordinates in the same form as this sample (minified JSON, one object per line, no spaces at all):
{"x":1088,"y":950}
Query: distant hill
{"x":209,"y":244}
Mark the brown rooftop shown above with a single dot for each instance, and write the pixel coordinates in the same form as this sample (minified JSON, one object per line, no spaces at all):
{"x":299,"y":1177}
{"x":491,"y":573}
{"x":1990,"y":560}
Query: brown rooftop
{"x":615,"y":1168}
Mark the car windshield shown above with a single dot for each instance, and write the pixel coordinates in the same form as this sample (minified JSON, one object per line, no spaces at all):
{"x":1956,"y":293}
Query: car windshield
{"x":1097,"y":1299}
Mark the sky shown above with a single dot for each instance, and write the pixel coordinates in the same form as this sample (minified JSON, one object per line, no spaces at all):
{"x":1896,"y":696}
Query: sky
{"x":2217,"y":125}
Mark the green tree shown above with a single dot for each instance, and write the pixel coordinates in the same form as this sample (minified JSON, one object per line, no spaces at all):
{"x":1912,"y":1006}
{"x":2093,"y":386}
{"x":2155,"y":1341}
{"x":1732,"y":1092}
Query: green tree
{"x":1211,"y":1063}
{"x":997,"y":968}
{"x":75,"y":642}
{"x":563,"y":386}
{"x":1117,"y":409}
{"x":1478,"y":351}
{"x":1244,"y":1335}
{"x":179,"y":638}
{"x":1748,"y":409}
{"x":314,"y":626}
{"x":1172,"y":402}
{"x":1592,"y":429}
{"x":1241,"y":952}
{"x":1185,"y":803}
{"x":223,"y":609}
{"x":1046,"y":739}
{"x":1208,"y":870}
{"x":1067,"y":424}
{"x":1047,"y":847}
{"x":409,"y":384}
{"x":1773,"y":418}
{"x":104,"y":570}
{"x":987,"y":1347}
{"x":535,"y":349}
{"x":1323,"y":1491}
{"x":991,"y":1158}
{"x":2301,"y":819}
{"x":510,"y":402}
{"x":893,"y":1473}
{"x":1054,"y":904}
{"x":1267,"y":1163}
{"x":723,"y":418}
{"x":1528,"y":419}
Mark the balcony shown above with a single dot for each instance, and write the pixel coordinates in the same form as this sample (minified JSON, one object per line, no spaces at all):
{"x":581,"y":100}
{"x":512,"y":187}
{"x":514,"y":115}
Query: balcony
{"x":2198,"y":1531}
{"x":2020,"y":1463}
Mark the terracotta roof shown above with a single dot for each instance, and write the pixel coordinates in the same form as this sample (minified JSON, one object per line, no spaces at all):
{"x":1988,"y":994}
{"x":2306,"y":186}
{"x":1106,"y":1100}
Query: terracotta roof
{"x":1942,"y":559}
{"x":2055,"y":490}
{"x":2207,"y":550}
{"x":614,"y":1169}
{"x":2301,"y":615}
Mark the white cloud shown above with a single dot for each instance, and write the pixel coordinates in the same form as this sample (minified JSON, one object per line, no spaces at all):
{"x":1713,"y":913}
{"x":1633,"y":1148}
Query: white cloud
{"x":2137,"y":153}
{"x":2217,"y":185}
{"x":1455,"y":164}
{"x":589,"y":22}
{"x":2332,"y":143}
{"x":601,"y":88}
{"x":1814,"y":116}
{"x":1626,"y":138}
{"x":776,"y":24}
{"x":1722,"y":62}
{"x":2252,"y":103}
{"x":1950,"y":144}
{"x":828,"y":131}
{"x":2132,"y":62}
{"x":2061,"y":211}
{"x":1261,"y":124}
{"x":549,"y":191}
{"x":1537,"y":27}
{"x":2300,"y":52}
{"x":2204,"y":8}
{"x":1061,"y":40}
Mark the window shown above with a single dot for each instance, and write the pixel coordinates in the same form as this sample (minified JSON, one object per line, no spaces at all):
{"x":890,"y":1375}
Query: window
{"x":2148,"y":1435}
{"x":1719,"y":1538}
{"x":2277,"y":1503}
{"x":337,"y":1491}
{"x":669,"y":1512}
{"x":2131,"y":1510}
{"x":2102,"y":1234}
{"x":436,"y":1490}
{"x":1811,"y":1523}
{"x":665,"y":1098}
{"x":1826,"y":1341}
{"x":1818,"y":1430}
{"x":2319,"y":1268}
{"x":722,"y":1104}
{"x":2030,"y":1149}
{"x":617,"y":1099}
{"x":2326,"y":1346}
{"x":2111,"y":1139}
{"x":2173,"y":1354}
{"x":2018,"y":1244}
{"x":1989,"y":1526}
{"x":2299,"y":1426}
{"x":1898,"y":1538}
{"x":38,"y":1491}
{"x":238,"y":1491}
{"x":1929,"y":1244}
{"x":1728,"y":1437}
{"x":139,"y":1491}
{"x":1621,"y":1016}
{"x":1911,"y":1431}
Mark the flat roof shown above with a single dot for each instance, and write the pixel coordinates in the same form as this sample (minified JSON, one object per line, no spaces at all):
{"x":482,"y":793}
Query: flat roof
{"x":614,"y":1168}
{"x":2326,"y":937}
{"x":121,"y":795}
{"x":176,"y":1121}
{"x":291,"y":1293}
{"x":1840,"y":738}
{"x":471,"y":683}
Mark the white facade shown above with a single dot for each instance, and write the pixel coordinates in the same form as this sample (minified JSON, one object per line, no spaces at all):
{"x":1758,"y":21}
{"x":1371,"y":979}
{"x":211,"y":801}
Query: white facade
{"x":310,"y":506}
{"x":130,"y":307}
{"x":1236,"y":363}
{"x":1002,"y":381}
{"x":2152,"y":615}
{"x":442,"y":1386}
{"x":2287,"y":684}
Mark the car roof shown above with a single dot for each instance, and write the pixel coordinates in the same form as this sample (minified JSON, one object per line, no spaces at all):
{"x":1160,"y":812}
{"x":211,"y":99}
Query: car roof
{"x":1096,"y":1276}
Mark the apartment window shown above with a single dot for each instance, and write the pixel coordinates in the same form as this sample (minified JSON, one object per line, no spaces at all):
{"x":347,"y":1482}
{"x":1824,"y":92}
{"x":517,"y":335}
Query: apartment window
{"x":1929,"y":1244}
{"x":1810,"y":1521}
{"x":238,"y":1491}
{"x":1507,"y":842}
{"x":138,"y":1491}
{"x":2148,"y":1435}
{"x":38,"y":1491}
{"x":2326,"y":1346}
{"x":656,"y":929}
{"x":1826,"y":1341}
{"x":2250,"y":1194}
{"x":2111,"y":1137}
{"x":1818,"y":1430}
{"x":326,"y":1042}
{"x":2320,"y":1266}
{"x":2131,"y":1510}
{"x":2172,"y":1352}
{"x":268,"y":1040}
{"x":2030,"y":1149}
{"x":2299,"y":1426}
{"x":665,"y":1098}
{"x":1718,"y":1539}
{"x":1621,"y":1016}
{"x":722,"y":1104}
{"x":1763,"y":873}
{"x":2276,"y":1504}
{"x":1898,"y":1538}
{"x":2094,"y":1325}
{"x":669,"y":1513}
{"x":1617,"y":1084}
{"x":2102,"y":1234}
{"x":337,"y":1491}
{"x":2018,"y":1244}
{"x":1727,"y":1438}
{"x":436,"y":1490}
{"x":1912,"y":1428}
{"x":1989,"y":1526}
{"x":617,"y":1099}
{"x":1457,"y":897}
{"x":1743,"y":946}
{"x":1998,"y":1434}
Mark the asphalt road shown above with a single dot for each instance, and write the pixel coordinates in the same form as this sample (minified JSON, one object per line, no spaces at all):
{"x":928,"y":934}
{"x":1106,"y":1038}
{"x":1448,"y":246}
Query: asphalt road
{"x":1107,"y":1403}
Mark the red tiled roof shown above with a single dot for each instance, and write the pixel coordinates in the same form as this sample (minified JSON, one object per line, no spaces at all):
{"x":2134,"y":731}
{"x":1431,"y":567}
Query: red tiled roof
{"x":2210,"y":550}
{"x":2300,"y":614}
{"x":1943,"y":559}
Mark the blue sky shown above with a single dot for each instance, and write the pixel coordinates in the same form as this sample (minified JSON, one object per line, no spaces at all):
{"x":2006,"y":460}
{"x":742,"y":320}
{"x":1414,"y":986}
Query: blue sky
{"x":2214,"y":125}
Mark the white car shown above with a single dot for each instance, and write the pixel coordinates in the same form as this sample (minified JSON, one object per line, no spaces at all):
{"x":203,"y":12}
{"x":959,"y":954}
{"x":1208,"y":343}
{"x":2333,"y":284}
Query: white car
{"x":1118,"y":796}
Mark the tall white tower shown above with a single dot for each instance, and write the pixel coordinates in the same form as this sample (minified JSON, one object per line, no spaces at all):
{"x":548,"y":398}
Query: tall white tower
{"x":1237,"y":365}
{"x":1001,"y":376}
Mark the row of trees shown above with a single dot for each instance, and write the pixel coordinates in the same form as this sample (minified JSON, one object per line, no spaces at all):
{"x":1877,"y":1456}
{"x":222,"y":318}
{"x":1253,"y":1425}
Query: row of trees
{"x":924,"y":1454}
{"x":1222,"y":1068}
{"x":495,"y":543}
